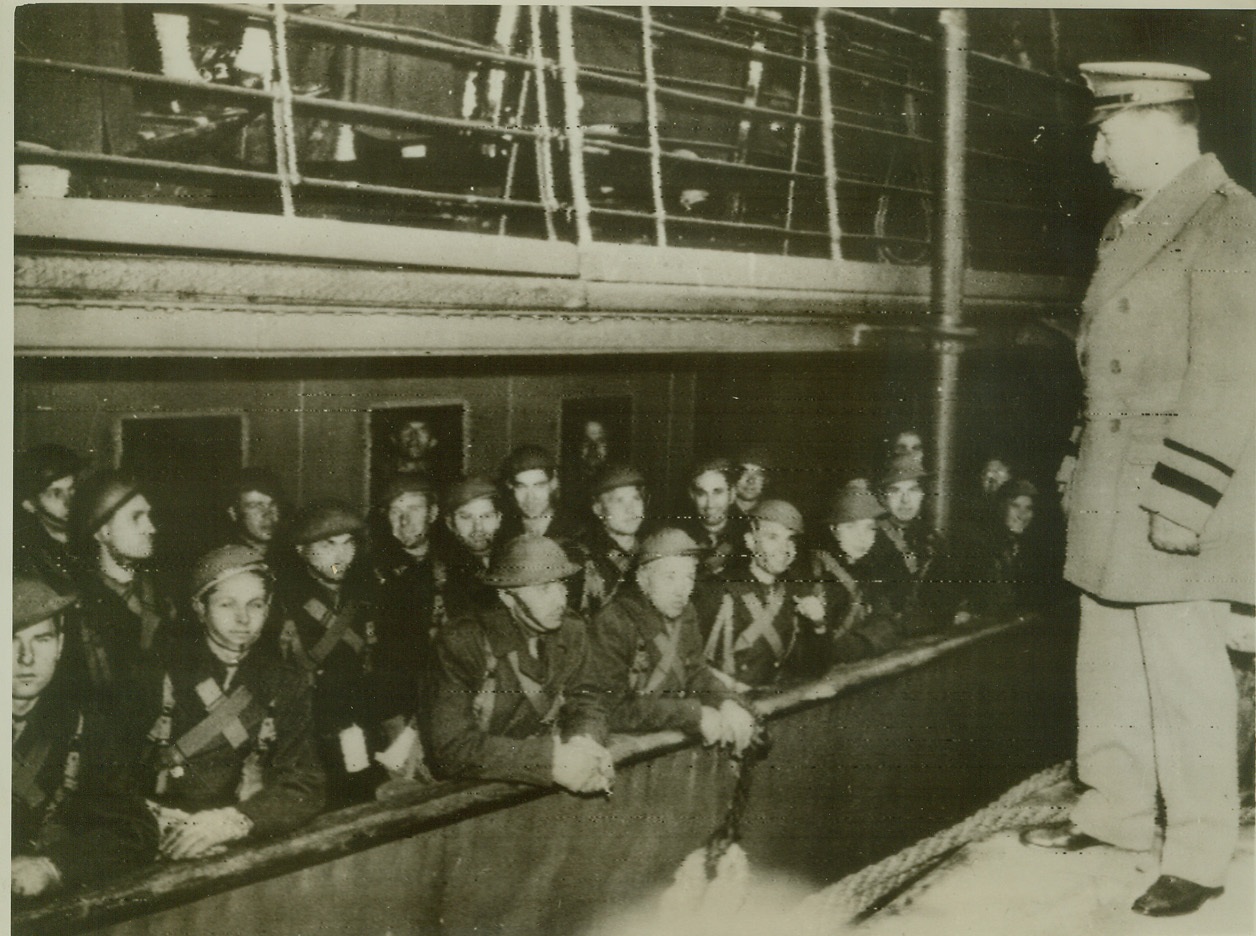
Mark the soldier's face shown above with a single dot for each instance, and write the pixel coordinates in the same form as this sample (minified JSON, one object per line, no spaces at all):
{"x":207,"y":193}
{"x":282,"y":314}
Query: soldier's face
{"x":621,"y":510}
{"x":415,"y":439}
{"x":594,"y":446}
{"x":1019,"y":514}
{"x":1130,"y":145}
{"x":903,"y":499}
{"x":711,"y":497}
{"x":543,"y":605}
{"x":856,"y":536}
{"x":751,"y":483}
{"x":476,"y":524}
{"x":257,"y":515}
{"x":772,"y":546}
{"x":909,"y":443}
{"x":533,"y":490}
{"x":129,"y":533}
{"x":410,"y":517}
{"x":668,"y":583}
{"x":994,"y":475}
{"x":235,"y":610}
{"x":329,"y":559}
{"x":36,"y":650}
{"x":52,"y":504}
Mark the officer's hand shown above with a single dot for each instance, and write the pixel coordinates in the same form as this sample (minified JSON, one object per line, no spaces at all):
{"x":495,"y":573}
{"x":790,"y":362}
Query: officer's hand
{"x":1171,"y":537}
{"x":712,"y":726}
{"x":393,"y":727}
{"x":1063,"y":477}
{"x":33,"y":875}
{"x":582,"y":765}
{"x":811,"y":607}
{"x":204,"y":833}
{"x":740,"y":724}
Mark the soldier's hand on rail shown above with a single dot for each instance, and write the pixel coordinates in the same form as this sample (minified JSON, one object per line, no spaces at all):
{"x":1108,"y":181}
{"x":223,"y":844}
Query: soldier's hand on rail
{"x":205,"y":833}
{"x":1171,"y":537}
{"x":583,"y":766}
{"x":740,"y":725}
{"x":712,"y":726}
{"x":33,"y":875}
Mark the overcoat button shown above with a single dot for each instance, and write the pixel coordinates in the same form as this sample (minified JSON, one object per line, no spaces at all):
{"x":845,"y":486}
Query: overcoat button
{"x":1116,"y":367}
{"x":1115,"y":425}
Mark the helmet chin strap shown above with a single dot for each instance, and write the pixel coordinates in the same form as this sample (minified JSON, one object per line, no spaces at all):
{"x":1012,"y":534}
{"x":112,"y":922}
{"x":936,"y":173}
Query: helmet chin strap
{"x":524,"y":616}
{"x":226,"y":653}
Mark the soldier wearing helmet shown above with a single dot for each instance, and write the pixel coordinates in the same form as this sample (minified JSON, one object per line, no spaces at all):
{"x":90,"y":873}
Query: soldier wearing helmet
{"x":608,"y":549}
{"x":501,"y":710}
{"x":75,"y":816}
{"x":647,"y":669}
{"x":231,"y":751}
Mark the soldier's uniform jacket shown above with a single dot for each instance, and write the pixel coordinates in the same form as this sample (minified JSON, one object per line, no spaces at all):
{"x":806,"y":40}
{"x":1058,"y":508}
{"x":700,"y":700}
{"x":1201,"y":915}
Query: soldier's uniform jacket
{"x":463,"y":592}
{"x":648,"y":673}
{"x":410,"y":609}
{"x":606,"y":566}
{"x":38,"y":554}
{"x":335,"y":639}
{"x":1166,"y":342}
{"x":910,"y":564}
{"x":719,"y":548}
{"x":753,"y":632}
{"x":858,"y":612}
{"x":247,"y":742}
{"x":74,"y":794}
{"x":111,"y":635}
{"x":498,"y":705}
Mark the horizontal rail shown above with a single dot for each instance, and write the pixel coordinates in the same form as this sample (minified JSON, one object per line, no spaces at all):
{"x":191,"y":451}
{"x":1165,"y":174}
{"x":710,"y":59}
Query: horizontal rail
{"x":710,"y":222}
{"x":665,"y":27}
{"x":706,"y":161}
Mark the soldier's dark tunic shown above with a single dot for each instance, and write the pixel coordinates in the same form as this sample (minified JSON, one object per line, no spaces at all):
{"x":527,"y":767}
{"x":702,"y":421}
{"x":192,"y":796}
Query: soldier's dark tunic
{"x":649,"y":673}
{"x":607,"y":565}
{"x":910,"y":563}
{"x":111,"y":635}
{"x":74,"y":795}
{"x":334,"y":638}
{"x":753,"y":631}
{"x":499,"y":704}
{"x":463,"y":591}
{"x":38,"y":554}
{"x":256,"y":752}
{"x":857,"y":610}
{"x":720,"y":547}
{"x":410,"y":608}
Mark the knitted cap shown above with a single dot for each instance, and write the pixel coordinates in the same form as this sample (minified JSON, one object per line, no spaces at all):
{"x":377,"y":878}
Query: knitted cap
{"x":617,"y":476}
{"x":324,"y":519}
{"x":463,"y":492}
{"x":527,"y":458}
{"x":38,"y":467}
{"x":408,"y":483}
{"x":261,"y":480}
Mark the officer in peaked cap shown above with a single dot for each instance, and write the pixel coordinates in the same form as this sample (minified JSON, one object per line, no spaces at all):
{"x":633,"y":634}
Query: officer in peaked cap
{"x":505,"y":675}
{"x":44,"y":481}
{"x":1120,"y":86}
{"x":1162,"y":490}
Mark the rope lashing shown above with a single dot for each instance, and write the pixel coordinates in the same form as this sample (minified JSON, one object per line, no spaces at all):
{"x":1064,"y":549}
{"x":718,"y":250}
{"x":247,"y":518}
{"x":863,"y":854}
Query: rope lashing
{"x":572,"y":106}
{"x":823,"y":79}
{"x":285,"y":122}
{"x":652,"y":126}
{"x":544,"y":147}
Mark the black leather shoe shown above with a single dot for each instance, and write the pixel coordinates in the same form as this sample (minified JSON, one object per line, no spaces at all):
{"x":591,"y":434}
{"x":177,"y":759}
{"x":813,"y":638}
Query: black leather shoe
{"x":1173,"y":896}
{"x":1062,"y":836}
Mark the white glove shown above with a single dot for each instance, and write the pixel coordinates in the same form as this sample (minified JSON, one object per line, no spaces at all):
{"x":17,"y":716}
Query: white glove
{"x":739,"y":725}
{"x":583,"y":766}
{"x":204,"y":833}
{"x":33,"y":875}
{"x":712,"y":726}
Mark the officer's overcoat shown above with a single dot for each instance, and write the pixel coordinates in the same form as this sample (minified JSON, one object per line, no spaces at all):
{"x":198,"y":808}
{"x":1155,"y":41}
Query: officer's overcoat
{"x":1166,"y":345}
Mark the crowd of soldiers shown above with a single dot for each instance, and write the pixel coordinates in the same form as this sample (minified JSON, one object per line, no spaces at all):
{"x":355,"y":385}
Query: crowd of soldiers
{"x":482,"y":628}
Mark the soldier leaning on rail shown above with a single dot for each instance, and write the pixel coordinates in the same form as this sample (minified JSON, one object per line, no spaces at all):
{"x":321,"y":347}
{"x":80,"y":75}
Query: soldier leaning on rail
{"x":75,"y":816}
{"x":608,"y":549}
{"x":501,"y":710}
{"x":330,"y":629}
{"x":124,"y":604}
{"x":44,"y":481}
{"x":646,"y":668}
{"x":231,"y":750}
{"x":764,"y":618}
{"x":858,"y":610}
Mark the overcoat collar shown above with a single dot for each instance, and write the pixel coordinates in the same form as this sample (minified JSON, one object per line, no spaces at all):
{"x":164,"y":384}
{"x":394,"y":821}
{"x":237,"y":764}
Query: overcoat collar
{"x":1123,"y":252}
